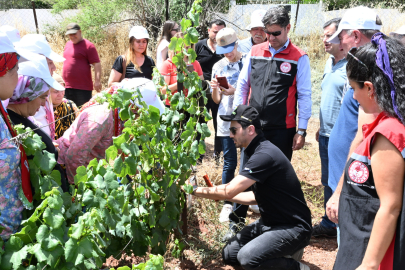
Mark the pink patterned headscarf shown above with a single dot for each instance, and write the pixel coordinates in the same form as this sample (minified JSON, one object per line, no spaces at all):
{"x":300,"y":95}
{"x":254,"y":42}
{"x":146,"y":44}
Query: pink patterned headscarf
{"x":28,"y":88}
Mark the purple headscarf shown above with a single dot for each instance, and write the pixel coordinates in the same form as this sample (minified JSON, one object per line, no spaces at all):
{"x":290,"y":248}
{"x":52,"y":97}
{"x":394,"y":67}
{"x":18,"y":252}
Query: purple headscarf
{"x":28,"y":88}
{"x":383,"y":62}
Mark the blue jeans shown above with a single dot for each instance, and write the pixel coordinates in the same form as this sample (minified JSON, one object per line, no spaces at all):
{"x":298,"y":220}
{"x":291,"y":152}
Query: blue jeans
{"x":258,"y":246}
{"x":230,"y":159}
{"x":327,"y":191}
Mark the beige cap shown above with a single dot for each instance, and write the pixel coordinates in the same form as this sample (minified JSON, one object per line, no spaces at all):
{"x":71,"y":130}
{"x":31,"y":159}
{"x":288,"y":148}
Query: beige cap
{"x":226,"y":39}
{"x":72,"y":28}
{"x":400,"y":31}
{"x":58,"y":78}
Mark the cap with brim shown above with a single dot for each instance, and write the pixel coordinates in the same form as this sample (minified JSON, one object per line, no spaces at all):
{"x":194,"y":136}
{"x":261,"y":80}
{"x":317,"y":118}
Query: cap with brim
{"x":38,"y":67}
{"x":256,"y":19}
{"x":147,"y":90}
{"x":354,"y":19}
{"x":225,"y":49}
{"x":37,"y":43}
{"x":244,"y":113}
{"x":400,"y":31}
{"x":6,"y":46}
{"x":72,"y":28}
{"x":138,"y":32}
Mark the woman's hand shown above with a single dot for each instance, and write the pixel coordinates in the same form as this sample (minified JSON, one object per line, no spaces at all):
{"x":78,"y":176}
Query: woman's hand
{"x":56,"y":146}
{"x":228,"y":92}
{"x":214,"y":84}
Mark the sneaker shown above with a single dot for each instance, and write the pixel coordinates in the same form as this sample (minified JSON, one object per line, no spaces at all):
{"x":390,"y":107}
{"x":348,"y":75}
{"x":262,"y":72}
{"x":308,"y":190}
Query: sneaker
{"x":321,"y":231}
{"x":254,"y":208}
{"x":226,"y":211}
{"x":304,"y":266}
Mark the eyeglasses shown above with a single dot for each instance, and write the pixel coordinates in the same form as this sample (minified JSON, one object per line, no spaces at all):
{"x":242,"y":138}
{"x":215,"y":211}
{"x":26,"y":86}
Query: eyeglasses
{"x":233,"y":130}
{"x":175,"y":29}
{"x":275,"y":34}
{"x":351,"y":52}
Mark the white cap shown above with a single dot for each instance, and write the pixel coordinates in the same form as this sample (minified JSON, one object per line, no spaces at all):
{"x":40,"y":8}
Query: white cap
{"x":139,"y":32}
{"x":37,"y":43}
{"x":148,"y":92}
{"x":354,"y":19}
{"x":400,"y":31}
{"x":256,"y":19}
{"x":11,"y":32}
{"x":6,"y":46}
{"x":38,"y":68}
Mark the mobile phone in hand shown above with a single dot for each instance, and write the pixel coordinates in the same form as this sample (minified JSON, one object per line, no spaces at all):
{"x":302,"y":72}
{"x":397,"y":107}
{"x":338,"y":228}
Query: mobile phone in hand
{"x":190,"y":68}
{"x":223,"y":82}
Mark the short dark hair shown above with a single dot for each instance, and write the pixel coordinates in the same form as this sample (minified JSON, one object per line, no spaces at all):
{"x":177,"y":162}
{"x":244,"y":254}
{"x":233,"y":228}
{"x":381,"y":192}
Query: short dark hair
{"x":276,"y":15}
{"x":359,"y":73}
{"x":334,"y":21}
{"x":217,"y":22}
{"x":246,"y":125}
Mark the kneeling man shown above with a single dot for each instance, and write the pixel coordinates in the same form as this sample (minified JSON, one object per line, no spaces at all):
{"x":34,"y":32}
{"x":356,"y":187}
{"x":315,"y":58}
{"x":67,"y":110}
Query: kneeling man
{"x":284,"y":229}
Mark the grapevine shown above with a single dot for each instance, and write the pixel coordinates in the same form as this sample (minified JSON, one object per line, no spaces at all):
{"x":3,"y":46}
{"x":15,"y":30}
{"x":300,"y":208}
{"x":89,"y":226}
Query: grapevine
{"x":129,"y":201}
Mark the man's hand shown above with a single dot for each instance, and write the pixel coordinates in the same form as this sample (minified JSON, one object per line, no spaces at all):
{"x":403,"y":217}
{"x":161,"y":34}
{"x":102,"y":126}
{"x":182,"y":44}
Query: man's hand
{"x":332,"y":207}
{"x":317,"y":135}
{"x":97,"y":85}
{"x":298,"y":142}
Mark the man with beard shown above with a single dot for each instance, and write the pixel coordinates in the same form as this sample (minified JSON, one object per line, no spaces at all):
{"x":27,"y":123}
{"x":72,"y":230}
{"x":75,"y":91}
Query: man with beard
{"x":277,"y":239}
{"x":256,"y":29}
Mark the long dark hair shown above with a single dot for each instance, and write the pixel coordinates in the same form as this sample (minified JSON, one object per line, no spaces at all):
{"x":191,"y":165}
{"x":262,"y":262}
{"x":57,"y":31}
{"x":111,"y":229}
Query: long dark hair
{"x":167,"y":31}
{"x":370,"y":71}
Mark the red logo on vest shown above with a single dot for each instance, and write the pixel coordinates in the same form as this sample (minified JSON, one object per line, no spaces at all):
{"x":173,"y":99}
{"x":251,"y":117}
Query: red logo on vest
{"x":285,"y":67}
{"x":358,"y":172}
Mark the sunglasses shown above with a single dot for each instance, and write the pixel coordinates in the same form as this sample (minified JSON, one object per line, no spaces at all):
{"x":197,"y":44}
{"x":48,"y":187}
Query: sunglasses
{"x":233,"y":130}
{"x":353,"y":51}
{"x":274,"y":34}
{"x":18,"y":56}
{"x":175,"y":29}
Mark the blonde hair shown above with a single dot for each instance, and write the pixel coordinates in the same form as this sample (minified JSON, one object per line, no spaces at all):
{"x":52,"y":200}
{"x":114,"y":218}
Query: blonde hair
{"x":130,"y":55}
{"x":171,"y":53}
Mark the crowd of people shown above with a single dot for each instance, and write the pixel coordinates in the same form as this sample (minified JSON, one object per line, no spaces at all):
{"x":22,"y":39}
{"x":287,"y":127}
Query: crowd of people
{"x":261,"y":103}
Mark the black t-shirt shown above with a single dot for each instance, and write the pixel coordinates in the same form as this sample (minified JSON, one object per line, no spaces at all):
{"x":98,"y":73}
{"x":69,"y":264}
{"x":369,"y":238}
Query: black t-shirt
{"x":277,"y":189}
{"x":206,"y":58}
{"x":131,"y":72}
{"x":18,"y":119}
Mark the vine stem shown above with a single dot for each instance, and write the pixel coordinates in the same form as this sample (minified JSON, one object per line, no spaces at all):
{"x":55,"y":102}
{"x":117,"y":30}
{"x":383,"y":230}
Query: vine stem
{"x":124,"y":248}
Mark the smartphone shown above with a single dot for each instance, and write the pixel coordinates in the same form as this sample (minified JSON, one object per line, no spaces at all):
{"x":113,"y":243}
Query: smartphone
{"x":190,"y":68}
{"x":223,"y":82}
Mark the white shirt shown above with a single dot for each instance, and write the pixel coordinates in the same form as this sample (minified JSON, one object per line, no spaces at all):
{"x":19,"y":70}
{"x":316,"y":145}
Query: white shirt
{"x":163,"y":45}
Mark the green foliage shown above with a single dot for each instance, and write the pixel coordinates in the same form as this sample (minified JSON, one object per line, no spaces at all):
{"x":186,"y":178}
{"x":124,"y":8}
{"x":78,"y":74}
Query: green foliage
{"x":107,"y":214}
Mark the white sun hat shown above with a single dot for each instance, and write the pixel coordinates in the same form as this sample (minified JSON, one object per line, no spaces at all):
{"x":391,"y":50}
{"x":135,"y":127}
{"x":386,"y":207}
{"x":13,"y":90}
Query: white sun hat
{"x":139,"y":32}
{"x":356,"y":18}
{"x":11,"y":32}
{"x":37,"y":43}
{"x":38,"y":67}
{"x":256,"y":19}
{"x":6,"y":46}
{"x":148,"y":92}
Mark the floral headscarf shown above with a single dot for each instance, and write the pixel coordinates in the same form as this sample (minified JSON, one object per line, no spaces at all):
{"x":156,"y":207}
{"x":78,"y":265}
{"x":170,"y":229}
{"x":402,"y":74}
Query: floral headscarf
{"x":28,"y":88}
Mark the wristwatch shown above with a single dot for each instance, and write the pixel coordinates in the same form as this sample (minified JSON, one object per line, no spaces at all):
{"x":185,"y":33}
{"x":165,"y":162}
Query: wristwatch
{"x":303,"y":133}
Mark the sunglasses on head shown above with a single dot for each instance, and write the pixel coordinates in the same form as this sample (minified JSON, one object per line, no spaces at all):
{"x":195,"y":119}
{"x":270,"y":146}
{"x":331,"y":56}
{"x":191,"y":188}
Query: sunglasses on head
{"x":274,"y":34}
{"x":233,"y":130}
{"x":351,"y":52}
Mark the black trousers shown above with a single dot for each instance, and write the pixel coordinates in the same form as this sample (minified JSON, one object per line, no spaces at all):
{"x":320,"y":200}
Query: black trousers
{"x":79,"y":97}
{"x":211,"y":105}
{"x":258,"y":246}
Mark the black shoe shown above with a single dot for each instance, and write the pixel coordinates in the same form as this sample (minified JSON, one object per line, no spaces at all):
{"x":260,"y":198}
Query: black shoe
{"x":321,"y":231}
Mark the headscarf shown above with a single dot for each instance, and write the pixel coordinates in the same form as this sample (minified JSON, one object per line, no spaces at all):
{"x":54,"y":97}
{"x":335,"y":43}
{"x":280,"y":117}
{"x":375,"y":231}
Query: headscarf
{"x":383,"y":62}
{"x":7,"y":62}
{"x":28,"y":88}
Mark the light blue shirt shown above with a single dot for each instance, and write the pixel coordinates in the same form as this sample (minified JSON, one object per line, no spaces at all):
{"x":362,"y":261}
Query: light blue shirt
{"x":245,"y":45}
{"x":303,"y":78}
{"x":333,"y":83}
